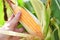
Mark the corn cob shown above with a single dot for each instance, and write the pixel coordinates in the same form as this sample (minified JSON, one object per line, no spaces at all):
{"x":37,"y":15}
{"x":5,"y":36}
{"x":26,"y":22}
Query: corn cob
{"x":29,"y":21}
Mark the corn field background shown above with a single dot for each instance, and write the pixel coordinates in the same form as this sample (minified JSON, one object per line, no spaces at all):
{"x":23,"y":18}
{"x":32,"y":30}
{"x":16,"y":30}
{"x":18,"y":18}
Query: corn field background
{"x":46,"y":11}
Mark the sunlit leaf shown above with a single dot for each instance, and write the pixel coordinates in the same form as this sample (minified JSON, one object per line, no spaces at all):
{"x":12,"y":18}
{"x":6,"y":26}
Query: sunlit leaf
{"x":21,"y":3}
{"x":1,"y":14}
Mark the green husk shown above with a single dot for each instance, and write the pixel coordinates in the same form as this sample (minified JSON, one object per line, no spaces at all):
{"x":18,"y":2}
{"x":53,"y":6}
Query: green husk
{"x":39,"y":9}
{"x":42,"y":13}
{"x":23,"y":35}
{"x":47,"y":20}
{"x":11,"y":33}
{"x":48,"y":37}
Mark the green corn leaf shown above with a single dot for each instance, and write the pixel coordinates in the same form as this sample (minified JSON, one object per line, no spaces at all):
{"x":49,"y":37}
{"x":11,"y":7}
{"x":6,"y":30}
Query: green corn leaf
{"x":48,"y":37}
{"x":55,"y":9}
{"x":1,"y":14}
{"x":59,"y":33}
{"x":56,"y":29}
{"x":54,"y":22}
{"x":28,"y":5}
{"x":55,"y":35}
{"x":21,"y":3}
{"x":47,"y":20}
{"x":52,"y":36}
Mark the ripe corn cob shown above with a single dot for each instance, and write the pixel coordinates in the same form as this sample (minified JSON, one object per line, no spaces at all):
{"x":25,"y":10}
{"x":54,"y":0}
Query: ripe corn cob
{"x":29,"y":21}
